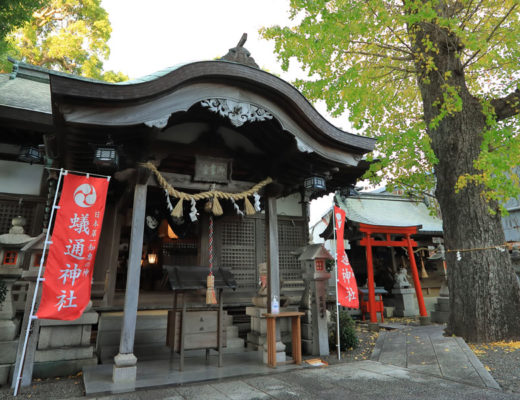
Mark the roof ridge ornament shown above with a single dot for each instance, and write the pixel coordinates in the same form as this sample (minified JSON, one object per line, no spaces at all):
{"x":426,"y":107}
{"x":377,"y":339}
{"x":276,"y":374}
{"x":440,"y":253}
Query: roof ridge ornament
{"x":240,"y":54}
{"x":238,"y":112}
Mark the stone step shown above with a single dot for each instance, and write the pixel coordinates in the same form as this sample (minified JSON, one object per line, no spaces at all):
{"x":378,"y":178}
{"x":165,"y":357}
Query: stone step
{"x":231,"y":331}
{"x":440,"y":317}
{"x":235,"y":343}
{"x":63,"y":354}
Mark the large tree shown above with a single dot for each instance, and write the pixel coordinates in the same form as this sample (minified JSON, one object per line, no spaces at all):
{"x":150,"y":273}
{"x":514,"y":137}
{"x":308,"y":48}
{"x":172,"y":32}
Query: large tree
{"x":13,"y":14}
{"x":437,"y":81}
{"x":69,"y":36}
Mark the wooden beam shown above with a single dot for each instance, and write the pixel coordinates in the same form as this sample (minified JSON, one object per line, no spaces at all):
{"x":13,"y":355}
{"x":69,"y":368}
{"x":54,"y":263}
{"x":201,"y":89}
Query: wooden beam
{"x":273,"y":264}
{"x":182,"y":181}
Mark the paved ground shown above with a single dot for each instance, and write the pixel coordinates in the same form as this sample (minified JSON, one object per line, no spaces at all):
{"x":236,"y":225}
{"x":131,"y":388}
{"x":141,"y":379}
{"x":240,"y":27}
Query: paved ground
{"x":425,"y":349}
{"x":413,"y":363}
{"x":361,"y":380}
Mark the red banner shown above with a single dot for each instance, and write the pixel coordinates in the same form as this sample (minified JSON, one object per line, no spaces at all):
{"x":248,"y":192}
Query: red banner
{"x":347,"y":286}
{"x":72,"y":252}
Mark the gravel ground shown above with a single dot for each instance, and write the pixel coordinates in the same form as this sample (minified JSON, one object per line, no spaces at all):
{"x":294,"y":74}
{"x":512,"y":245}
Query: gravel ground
{"x":363,"y":351}
{"x":502,"y":360}
{"x":49,"y":389}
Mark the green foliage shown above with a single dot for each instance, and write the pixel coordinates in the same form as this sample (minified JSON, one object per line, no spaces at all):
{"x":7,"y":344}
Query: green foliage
{"x":3,"y":291}
{"x":69,"y":36}
{"x":347,"y":331}
{"x":367,"y":57}
{"x":13,"y":14}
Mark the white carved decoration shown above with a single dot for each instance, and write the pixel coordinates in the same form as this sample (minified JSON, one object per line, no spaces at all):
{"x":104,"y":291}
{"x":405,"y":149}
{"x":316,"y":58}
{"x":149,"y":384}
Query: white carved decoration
{"x":303,"y":147}
{"x":158,"y":123}
{"x":238,"y":113}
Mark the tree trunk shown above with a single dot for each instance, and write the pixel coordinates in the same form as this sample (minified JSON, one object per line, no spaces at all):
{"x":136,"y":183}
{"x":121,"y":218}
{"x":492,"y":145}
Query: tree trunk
{"x":484,"y":290}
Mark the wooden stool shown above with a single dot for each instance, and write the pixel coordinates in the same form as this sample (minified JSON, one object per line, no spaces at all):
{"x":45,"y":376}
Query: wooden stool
{"x":296,"y":336}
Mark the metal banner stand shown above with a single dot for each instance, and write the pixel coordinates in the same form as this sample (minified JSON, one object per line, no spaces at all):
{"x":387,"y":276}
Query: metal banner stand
{"x":38,"y":280}
{"x":336,"y":280}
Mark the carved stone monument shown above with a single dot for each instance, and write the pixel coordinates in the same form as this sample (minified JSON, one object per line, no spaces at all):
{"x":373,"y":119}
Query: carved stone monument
{"x":404,"y":295}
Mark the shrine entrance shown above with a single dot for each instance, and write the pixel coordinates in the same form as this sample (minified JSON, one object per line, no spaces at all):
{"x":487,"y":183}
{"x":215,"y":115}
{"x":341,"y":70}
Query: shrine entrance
{"x":406,"y":241}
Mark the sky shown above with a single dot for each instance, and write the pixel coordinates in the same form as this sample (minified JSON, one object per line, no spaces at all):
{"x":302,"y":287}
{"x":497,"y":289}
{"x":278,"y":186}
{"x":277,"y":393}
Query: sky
{"x":150,"y":35}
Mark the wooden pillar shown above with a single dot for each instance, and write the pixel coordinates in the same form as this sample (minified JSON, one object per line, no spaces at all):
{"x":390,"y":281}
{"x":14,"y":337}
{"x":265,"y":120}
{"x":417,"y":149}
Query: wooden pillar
{"x":110,"y":286}
{"x":273,"y":264}
{"x":125,"y":363}
{"x":370,"y":278}
{"x":415,"y":275}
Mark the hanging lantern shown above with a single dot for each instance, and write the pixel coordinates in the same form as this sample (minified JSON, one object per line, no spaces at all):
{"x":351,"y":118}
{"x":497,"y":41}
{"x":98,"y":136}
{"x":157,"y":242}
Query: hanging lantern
{"x":30,"y":154}
{"x":107,"y":155}
{"x":314,"y":183}
{"x":152,"y":258}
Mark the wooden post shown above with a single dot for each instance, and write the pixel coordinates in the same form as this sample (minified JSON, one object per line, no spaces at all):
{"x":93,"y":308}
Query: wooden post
{"x":370,"y":277}
{"x":273,"y":264}
{"x":416,"y":281}
{"x":110,"y":286}
{"x":125,"y":363}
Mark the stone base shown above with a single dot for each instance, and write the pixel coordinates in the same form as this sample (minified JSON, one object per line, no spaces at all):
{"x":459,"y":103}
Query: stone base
{"x":124,"y":374}
{"x":125,"y":368}
{"x":8,"y":351}
{"x":405,"y":303}
{"x":52,"y":369}
{"x":4,"y":373}
{"x":441,"y":314}
{"x":64,"y":354}
{"x":9,"y":329}
{"x":425,"y":320}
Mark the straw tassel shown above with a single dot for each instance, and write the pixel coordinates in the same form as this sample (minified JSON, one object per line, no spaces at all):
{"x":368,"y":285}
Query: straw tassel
{"x":424,"y":274}
{"x":211,"y":297}
{"x":248,"y":207}
{"x":177,"y":211}
{"x":216,"y":208}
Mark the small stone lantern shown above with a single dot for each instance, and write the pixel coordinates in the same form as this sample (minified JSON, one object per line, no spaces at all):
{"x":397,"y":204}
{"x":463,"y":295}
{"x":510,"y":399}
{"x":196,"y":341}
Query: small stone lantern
{"x":315,"y":337}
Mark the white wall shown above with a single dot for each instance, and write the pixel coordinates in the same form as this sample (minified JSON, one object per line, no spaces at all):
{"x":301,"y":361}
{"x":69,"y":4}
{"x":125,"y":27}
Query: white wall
{"x":289,"y":205}
{"x":20,"y":178}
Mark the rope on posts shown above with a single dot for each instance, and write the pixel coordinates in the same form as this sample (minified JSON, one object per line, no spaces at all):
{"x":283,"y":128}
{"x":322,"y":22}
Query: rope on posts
{"x":211,"y":298}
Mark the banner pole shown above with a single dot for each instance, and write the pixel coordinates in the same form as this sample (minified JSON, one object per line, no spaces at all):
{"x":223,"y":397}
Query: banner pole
{"x":336,"y":283}
{"x":38,"y":280}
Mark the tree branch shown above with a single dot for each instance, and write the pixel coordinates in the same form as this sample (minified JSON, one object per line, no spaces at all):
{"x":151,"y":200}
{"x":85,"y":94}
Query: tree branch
{"x":507,"y":106}
{"x":490,"y":35}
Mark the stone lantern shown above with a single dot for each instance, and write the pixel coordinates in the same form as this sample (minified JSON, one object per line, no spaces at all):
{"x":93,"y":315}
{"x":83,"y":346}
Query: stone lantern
{"x":315,"y":337}
{"x":11,"y":260}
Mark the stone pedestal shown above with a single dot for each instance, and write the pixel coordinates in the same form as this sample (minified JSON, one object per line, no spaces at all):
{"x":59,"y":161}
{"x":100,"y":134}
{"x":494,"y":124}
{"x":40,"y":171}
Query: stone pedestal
{"x":9,"y":331}
{"x":64,"y":346}
{"x":125,"y":368}
{"x":405,"y":302}
{"x":257,"y":338}
{"x":442,"y":307}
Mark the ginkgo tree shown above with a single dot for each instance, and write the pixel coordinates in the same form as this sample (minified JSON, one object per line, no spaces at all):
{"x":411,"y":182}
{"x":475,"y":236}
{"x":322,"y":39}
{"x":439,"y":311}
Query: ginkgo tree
{"x":438,"y":83}
{"x":66,"y":35}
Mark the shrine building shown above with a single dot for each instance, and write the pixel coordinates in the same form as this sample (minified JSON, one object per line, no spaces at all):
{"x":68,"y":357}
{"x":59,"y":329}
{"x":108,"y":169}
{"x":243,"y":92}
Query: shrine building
{"x":166,"y":140}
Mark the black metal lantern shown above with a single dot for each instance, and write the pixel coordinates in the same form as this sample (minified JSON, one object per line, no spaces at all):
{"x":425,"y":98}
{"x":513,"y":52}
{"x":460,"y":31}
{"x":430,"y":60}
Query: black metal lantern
{"x":314,"y":183}
{"x":107,"y":155}
{"x":30,"y":154}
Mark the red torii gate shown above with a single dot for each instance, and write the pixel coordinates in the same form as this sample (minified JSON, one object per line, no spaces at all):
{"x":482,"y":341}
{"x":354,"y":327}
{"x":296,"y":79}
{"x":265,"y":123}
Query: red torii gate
{"x":409,"y":243}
